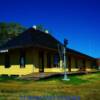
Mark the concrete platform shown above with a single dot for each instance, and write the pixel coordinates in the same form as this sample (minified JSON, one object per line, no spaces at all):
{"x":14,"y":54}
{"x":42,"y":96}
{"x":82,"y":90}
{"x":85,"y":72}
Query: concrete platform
{"x":37,"y":76}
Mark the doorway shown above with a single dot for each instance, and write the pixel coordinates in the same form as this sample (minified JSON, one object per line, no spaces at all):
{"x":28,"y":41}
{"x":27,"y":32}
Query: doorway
{"x":7,"y":60}
{"x":41,"y":61}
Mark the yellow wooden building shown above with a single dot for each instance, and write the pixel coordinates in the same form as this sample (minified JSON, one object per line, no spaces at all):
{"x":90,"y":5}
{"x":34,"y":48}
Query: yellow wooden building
{"x":34,"y":51}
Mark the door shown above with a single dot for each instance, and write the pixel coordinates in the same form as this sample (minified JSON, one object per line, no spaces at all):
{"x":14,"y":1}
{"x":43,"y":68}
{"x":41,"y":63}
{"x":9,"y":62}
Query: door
{"x":41,"y":61}
{"x":7,"y":60}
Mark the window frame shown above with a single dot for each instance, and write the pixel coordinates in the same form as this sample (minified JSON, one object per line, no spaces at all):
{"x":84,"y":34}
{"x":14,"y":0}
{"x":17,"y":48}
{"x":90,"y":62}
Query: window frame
{"x":22,"y":57}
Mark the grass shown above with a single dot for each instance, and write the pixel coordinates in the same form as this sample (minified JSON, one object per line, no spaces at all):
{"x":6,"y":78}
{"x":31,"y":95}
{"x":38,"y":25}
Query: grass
{"x":86,"y":86}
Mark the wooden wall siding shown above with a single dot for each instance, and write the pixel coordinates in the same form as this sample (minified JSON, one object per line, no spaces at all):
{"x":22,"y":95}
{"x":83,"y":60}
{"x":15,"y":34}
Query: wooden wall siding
{"x":98,"y":63}
{"x":81,"y":65}
{"x":88,"y":64}
{"x":35,"y":58}
{"x":14,"y":57}
{"x":49,"y":60}
{"x":15,"y":69}
{"x":52,"y":60}
{"x":32,"y":63}
{"x":72,"y":62}
{"x":76,"y":62}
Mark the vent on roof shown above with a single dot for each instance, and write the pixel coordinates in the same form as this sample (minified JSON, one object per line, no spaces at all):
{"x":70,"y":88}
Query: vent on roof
{"x":46,"y":31}
{"x":34,"y":26}
{"x":39,"y":28}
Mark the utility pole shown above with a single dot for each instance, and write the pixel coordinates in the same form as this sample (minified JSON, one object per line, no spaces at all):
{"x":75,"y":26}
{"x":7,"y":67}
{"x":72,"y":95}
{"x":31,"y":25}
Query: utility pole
{"x":65,"y":60}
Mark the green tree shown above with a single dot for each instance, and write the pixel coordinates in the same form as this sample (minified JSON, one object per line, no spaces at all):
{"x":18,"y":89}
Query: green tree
{"x":9,"y":30}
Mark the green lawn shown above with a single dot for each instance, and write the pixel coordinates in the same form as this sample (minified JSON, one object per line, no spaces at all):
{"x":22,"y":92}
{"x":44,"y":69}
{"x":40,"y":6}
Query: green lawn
{"x":85,"y":86}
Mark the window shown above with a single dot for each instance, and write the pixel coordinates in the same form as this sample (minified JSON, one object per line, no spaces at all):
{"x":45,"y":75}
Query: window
{"x":76,"y":63}
{"x":22,"y":59}
{"x":56,"y":60}
{"x":7,"y":60}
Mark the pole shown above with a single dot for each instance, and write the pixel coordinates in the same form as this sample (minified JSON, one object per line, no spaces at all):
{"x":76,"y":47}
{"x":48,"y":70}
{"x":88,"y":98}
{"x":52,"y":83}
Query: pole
{"x":65,"y":61}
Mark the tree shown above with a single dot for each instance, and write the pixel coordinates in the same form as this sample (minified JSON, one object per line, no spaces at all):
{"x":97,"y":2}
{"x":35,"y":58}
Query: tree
{"x":9,"y":30}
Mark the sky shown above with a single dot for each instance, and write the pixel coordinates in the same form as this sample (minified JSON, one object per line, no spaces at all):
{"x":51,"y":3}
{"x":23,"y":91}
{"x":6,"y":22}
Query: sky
{"x":76,"y":20}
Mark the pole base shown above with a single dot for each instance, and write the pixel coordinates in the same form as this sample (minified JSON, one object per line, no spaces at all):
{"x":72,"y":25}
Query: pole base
{"x":66,"y":79}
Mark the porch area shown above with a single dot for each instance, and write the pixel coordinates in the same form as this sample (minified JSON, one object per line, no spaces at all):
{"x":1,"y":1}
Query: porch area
{"x":38,"y":76}
{"x":40,"y":60}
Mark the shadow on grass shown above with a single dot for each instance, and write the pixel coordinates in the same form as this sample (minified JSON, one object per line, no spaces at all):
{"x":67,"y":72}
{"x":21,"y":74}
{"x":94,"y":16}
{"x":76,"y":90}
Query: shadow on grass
{"x":74,"y":80}
{"x":5,"y":78}
{"x":15,"y":80}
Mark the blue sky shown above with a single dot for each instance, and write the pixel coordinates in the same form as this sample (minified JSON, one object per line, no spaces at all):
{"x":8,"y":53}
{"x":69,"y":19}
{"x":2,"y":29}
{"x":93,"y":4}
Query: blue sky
{"x":76,"y":20}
